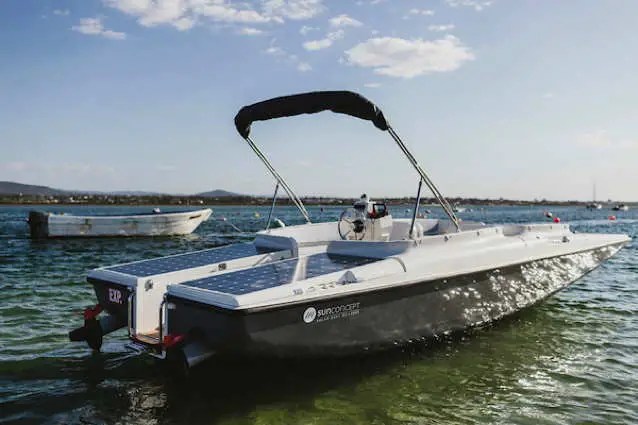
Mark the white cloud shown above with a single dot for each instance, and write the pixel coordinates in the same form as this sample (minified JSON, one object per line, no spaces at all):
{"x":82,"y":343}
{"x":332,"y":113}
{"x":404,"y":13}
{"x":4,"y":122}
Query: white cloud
{"x":222,"y":13}
{"x":441,"y":28}
{"x":94,"y":26}
{"x":61,"y":12}
{"x":184,"y":24}
{"x":398,"y":57}
{"x":600,"y":139}
{"x":323,"y":43}
{"x":304,"y":67}
{"x":306,"y":29}
{"x":293,"y":9}
{"x":249,"y":31}
{"x":318,"y":44}
{"x":275,"y":51}
{"x":284,"y":56}
{"x":372,"y":85}
{"x":154,"y":12}
{"x":423,"y":12}
{"x":477,"y":5}
{"x":113,"y":35}
{"x":183,"y":14}
{"x":418,"y":12}
{"x":344,"y":21}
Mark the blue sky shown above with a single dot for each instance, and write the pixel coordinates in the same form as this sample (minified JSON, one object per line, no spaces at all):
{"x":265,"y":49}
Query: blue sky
{"x":520,"y":99}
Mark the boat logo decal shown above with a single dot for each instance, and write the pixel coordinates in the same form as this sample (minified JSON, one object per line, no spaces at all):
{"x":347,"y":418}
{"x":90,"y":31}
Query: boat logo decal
{"x":331,"y":313}
{"x":310,"y":315}
{"x":115,"y":296}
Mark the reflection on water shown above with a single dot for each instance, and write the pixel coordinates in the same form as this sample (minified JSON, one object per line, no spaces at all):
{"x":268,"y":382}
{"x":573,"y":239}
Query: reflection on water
{"x":571,"y":359}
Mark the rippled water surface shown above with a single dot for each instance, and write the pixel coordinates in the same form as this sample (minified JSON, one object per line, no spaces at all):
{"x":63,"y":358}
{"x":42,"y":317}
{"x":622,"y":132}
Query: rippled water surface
{"x":572,"y":359}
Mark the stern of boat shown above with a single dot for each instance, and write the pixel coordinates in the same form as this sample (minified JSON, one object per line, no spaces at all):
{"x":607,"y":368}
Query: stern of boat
{"x":132,"y":295}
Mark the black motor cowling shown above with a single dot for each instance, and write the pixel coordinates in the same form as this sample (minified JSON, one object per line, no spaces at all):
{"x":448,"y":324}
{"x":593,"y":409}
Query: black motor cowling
{"x":94,"y":329}
{"x":38,"y":224}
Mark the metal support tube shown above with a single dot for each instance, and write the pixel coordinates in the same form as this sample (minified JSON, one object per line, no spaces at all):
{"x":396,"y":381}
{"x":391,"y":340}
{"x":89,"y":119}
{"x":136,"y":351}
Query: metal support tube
{"x":131,"y":313}
{"x":416,"y":209}
{"x":439,"y":197}
{"x":162,"y":325}
{"x":294,"y":198}
{"x":272,"y":207}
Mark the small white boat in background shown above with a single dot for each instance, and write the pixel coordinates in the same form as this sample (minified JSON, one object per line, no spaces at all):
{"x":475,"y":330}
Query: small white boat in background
{"x":51,"y":225}
{"x":621,"y":207}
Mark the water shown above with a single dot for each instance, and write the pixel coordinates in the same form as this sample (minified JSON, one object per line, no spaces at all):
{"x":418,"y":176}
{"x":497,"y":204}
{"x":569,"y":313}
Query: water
{"x":572,"y":359}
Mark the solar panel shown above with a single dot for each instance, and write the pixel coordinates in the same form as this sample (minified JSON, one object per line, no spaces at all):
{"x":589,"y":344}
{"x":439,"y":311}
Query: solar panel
{"x":187,"y":261}
{"x":276,"y":274}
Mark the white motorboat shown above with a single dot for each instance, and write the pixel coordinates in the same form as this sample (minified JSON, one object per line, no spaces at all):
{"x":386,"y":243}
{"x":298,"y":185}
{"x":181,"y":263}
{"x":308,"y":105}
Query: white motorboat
{"x":156,"y":223}
{"x":621,"y":207}
{"x":365,"y":282}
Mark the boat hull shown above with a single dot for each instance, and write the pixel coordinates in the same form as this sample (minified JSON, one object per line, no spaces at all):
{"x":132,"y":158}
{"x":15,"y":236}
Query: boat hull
{"x":113,"y":298}
{"x":50,"y":225}
{"x":380,"y":319}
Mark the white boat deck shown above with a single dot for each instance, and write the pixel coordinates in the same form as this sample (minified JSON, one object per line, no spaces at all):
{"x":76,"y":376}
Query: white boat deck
{"x":301,"y":263}
{"x":386,"y":264}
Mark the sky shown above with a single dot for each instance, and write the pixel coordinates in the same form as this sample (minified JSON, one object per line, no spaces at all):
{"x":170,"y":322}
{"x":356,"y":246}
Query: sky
{"x":495,"y":98}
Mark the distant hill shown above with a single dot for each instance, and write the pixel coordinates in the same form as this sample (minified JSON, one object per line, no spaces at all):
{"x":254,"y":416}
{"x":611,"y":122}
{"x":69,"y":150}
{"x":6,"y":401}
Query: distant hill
{"x":134,"y":193}
{"x":218,"y":193}
{"x":12,"y":188}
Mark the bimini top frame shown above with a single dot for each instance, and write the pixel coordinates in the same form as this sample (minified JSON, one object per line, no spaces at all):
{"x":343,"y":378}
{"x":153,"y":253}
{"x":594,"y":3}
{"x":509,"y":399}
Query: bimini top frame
{"x":342,"y":102}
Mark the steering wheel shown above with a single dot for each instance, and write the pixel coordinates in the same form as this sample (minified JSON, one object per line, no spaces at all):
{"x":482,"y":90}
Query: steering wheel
{"x":352,"y":222}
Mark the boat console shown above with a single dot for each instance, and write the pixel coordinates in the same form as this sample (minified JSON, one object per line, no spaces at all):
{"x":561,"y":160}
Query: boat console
{"x":365,"y":220}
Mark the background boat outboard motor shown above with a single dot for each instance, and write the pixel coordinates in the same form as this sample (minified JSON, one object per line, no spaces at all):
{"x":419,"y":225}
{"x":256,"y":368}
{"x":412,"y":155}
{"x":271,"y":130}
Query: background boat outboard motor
{"x":38,"y":224}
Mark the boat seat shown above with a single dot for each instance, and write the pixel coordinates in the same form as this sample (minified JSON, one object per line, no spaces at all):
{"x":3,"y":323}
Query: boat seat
{"x":401,"y":228}
{"x":277,"y":243}
{"x":368,"y":249}
{"x":446,"y":226}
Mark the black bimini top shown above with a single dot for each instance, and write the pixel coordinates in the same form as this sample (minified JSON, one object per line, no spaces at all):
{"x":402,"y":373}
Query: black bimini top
{"x":342,"y":102}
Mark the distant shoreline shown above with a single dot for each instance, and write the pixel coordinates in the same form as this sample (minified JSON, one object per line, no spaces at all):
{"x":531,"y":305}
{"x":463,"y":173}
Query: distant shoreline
{"x":199,"y":202}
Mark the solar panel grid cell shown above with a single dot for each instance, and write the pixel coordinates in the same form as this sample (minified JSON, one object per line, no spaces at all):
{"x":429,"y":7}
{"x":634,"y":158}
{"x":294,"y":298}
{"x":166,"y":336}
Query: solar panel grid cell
{"x":276,"y":274}
{"x":162,"y":265}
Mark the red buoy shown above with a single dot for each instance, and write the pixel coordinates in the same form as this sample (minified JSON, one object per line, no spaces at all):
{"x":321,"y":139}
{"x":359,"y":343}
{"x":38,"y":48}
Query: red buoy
{"x":612,"y":217}
{"x":556,"y":220}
